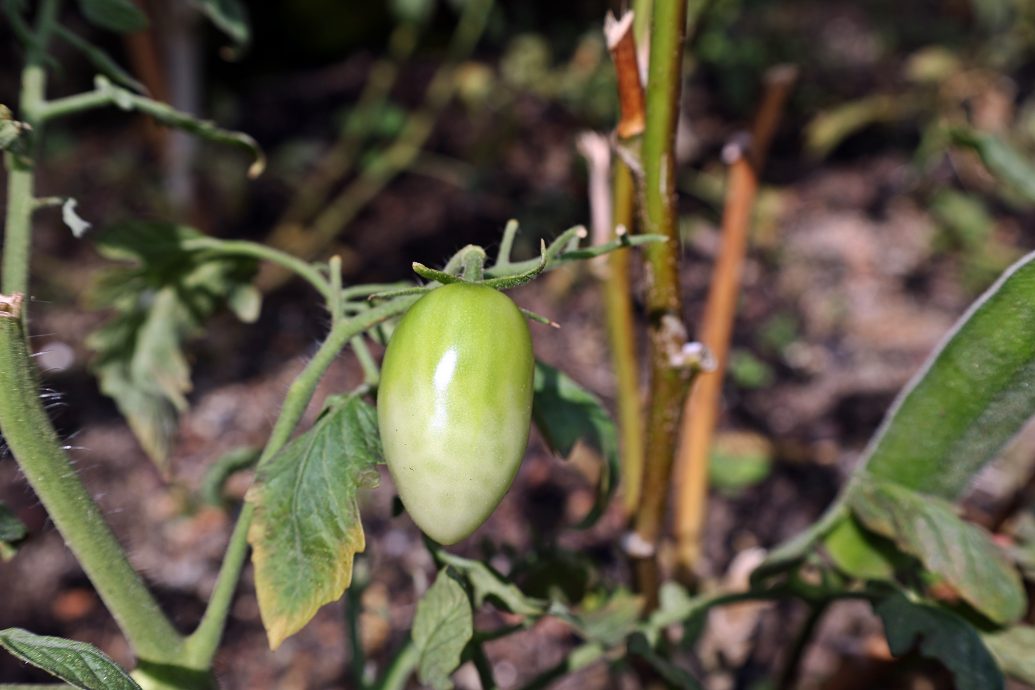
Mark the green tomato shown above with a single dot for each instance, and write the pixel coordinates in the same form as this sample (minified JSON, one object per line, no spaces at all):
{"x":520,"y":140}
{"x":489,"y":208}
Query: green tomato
{"x":454,"y":406}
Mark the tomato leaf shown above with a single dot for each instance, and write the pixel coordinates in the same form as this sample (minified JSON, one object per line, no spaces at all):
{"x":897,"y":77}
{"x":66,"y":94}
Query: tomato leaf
{"x":307,"y":529}
{"x":160,"y":301}
{"x":566,"y":413}
{"x":229,"y":16}
{"x":943,"y":636}
{"x":77,"y":663}
{"x":485,"y":583}
{"x":1012,"y":648}
{"x":958,"y":551}
{"x":122,"y":16}
{"x":442,"y":627}
{"x":12,"y":531}
{"x":973,"y":395}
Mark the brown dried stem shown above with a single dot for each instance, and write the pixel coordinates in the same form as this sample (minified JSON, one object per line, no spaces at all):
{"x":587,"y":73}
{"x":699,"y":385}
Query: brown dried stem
{"x":702,"y":406}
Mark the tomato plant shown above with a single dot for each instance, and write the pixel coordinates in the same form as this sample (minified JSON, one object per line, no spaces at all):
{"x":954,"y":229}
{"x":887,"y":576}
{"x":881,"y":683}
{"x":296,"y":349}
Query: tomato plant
{"x":454,"y":406}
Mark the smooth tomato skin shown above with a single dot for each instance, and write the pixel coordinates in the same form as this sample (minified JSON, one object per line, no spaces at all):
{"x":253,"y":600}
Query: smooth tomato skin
{"x":454,"y":406}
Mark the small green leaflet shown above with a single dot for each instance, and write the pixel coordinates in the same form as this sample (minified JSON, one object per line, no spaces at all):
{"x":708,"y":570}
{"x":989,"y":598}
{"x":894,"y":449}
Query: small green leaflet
{"x":77,"y":663}
{"x":943,"y":636}
{"x":958,"y":551}
{"x":565,"y":413}
{"x":12,"y":531}
{"x":442,"y":627}
{"x":122,"y":16}
{"x":160,"y":301}
{"x":486,"y":583}
{"x":971,"y":398}
{"x":307,"y":526}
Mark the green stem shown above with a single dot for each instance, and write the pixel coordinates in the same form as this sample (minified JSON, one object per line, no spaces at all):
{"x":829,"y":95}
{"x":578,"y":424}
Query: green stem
{"x":27,"y":430}
{"x":664,"y":310}
{"x":202,"y":644}
{"x":302,"y":269}
{"x":401,"y":668}
{"x":474,"y":265}
{"x":18,"y":228}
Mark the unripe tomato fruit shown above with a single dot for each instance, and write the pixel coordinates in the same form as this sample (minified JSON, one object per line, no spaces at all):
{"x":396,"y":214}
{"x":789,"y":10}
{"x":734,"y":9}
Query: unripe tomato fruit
{"x":454,"y":406}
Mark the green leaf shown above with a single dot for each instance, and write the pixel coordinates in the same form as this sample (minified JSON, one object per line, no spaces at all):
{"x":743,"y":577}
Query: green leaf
{"x":167,"y":115}
{"x":1013,"y":648}
{"x":163,"y":299}
{"x":565,"y":413}
{"x":77,"y":663}
{"x":1001,"y":159}
{"x":229,"y":16}
{"x":973,"y":395}
{"x":442,"y":627}
{"x":673,"y":675}
{"x":485,"y":583}
{"x":307,"y":529}
{"x":612,"y":620}
{"x":859,"y":553}
{"x":12,"y":531}
{"x":122,"y":16}
{"x":942,"y":636}
{"x":959,"y":552}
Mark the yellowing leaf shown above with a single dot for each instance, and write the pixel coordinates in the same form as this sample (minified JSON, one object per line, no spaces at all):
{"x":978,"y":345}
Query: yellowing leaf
{"x":307,"y":528}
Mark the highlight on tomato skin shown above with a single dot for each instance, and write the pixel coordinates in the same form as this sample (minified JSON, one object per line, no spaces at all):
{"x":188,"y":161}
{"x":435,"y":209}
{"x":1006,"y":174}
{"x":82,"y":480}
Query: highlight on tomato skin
{"x":454,"y":406}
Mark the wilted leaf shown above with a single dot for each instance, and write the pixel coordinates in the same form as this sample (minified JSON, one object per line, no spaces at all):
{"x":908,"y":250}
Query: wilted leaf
{"x":122,"y":16}
{"x":973,"y":395}
{"x":959,"y":552}
{"x":943,"y":636}
{"x":442,"y":627}
{"x":1014,"y":649}
{"x":77,"y":663}
{"x":159,"y":302}
{"x":12,"y":531}
{"x":565,"y":413}
{"x":307,"y":527}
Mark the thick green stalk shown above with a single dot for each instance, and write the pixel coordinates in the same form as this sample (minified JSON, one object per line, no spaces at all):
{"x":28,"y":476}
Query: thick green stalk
{"x":36,"y":446}
{"x":666,"y":331}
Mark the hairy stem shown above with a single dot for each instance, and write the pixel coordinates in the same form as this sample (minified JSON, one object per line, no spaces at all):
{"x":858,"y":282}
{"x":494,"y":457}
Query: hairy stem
{"x":31,"y":437}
